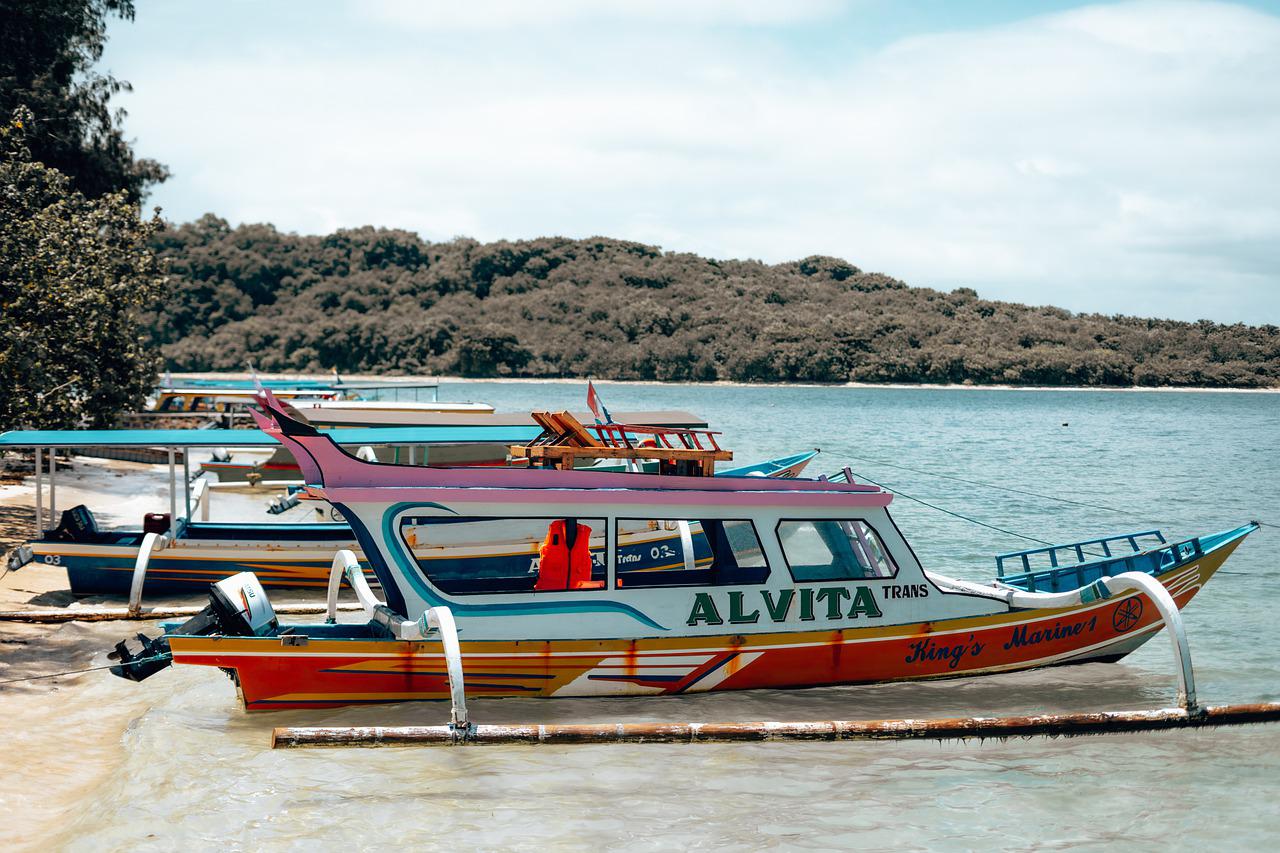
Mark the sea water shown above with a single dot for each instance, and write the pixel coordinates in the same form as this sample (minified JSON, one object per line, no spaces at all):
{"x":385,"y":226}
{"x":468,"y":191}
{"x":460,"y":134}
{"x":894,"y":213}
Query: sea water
{"x":98,"y":763}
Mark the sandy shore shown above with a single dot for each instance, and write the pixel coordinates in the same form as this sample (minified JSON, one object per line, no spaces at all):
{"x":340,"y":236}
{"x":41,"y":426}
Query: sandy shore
{"x":69,"y":729}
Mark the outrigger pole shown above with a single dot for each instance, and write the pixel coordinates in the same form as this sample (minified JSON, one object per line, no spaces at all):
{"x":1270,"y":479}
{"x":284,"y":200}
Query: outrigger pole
{"x":960,"y":728}
{"x":439,"y":623}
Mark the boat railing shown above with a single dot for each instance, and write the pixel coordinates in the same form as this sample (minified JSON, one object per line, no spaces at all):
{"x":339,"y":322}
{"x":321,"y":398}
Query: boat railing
{"x":1085,"y":551}
{"x":1151,"y":562}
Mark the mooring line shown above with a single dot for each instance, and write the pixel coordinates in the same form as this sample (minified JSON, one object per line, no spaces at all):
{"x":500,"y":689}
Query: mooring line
{"x":955,"y":514}
{"x":1027,"y":492}
{"x":989,"y":485}
{"x":79,"y":671}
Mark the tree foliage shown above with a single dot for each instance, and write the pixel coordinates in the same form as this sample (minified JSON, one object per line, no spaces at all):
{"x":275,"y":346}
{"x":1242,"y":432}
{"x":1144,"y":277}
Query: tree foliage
{"x":74,"y":272}
{"x":48,"y":49}
{"x":381,"y":300}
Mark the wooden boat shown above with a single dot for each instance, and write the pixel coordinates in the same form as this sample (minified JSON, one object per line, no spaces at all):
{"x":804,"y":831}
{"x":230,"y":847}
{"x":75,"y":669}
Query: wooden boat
{"x":808,"y":582}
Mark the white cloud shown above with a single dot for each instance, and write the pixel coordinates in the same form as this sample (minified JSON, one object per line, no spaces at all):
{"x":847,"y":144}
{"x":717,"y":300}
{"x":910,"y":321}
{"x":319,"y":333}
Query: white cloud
{"x":1112,"y":158}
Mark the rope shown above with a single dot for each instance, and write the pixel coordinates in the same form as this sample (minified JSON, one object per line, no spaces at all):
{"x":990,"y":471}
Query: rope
{"x":79,"y":671}
{"x":991,"y":485}
{"x":955,"y":514}
{"x":1027,"y":492}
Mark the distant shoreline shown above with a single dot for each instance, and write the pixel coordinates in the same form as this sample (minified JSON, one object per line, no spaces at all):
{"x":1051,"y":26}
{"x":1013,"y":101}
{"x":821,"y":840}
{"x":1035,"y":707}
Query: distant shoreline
{"x":529,"y":380}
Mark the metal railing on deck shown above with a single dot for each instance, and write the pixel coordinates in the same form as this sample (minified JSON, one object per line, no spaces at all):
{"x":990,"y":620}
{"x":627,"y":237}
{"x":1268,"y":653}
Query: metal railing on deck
{"x":1078,"y":549}
{"x":1144,"y":562}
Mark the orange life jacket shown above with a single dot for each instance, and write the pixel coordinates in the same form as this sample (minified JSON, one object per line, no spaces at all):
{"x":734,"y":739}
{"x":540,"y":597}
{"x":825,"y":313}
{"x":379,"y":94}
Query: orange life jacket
{"x":563,"y":567}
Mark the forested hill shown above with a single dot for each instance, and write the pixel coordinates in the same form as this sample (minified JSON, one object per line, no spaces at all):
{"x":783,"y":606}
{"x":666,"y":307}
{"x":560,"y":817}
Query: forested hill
{"x":377,"y":300}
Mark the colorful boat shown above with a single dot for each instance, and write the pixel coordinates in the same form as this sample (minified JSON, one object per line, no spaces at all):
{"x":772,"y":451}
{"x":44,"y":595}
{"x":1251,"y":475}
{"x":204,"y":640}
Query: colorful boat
{"x":803,"y":583}
{"x":195,"y":553}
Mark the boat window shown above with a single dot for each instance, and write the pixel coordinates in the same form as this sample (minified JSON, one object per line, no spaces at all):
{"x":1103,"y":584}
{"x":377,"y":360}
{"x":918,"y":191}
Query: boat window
{"x":170,"y":403}
{"x":472,"y":556}
{"x":685,"y":552}
{"x":829,"y":550}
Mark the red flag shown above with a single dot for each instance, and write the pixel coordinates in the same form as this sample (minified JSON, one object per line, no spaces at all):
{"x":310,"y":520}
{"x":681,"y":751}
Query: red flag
{"x":596,"y":405}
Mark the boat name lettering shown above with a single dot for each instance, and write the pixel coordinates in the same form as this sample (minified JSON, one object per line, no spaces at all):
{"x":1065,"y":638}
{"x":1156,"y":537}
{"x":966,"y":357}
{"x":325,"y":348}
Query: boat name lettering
{"x":835,"y":602}
{"x":907,"y":590}
{"x":926,"y":650}
{"x":1023,"y":636}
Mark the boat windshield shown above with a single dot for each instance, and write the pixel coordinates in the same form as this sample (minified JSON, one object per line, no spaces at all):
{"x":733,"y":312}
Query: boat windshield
{"x":824,"y":550}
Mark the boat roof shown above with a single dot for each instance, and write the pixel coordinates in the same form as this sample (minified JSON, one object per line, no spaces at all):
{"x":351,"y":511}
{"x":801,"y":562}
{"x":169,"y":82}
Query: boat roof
{"x":340,"y":477}
{"x":240,"y":395}
{"x":356,"y":436}
{"x":307,"y":407}
{"x":198,"y":383}
{"x":340,"y":416}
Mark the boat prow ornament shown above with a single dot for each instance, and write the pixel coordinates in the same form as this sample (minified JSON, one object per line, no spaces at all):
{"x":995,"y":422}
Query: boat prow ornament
{"x":560,"y":581}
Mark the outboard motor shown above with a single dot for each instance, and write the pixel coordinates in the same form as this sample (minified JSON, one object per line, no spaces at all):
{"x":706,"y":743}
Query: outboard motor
{"x":238,"y":607}
{"x":76,"y":525}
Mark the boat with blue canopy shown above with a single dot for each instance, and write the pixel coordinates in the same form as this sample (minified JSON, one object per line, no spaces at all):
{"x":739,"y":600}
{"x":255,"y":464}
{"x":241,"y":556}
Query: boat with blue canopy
{"x":178,"y":552}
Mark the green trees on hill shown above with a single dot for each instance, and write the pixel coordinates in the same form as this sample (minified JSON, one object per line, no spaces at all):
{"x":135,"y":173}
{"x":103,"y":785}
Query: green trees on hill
{"x":372,"y":299}
{"x":73,"y":273}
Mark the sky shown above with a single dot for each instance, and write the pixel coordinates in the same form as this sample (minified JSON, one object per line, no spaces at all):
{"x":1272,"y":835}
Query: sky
{"x":1115,"y":157}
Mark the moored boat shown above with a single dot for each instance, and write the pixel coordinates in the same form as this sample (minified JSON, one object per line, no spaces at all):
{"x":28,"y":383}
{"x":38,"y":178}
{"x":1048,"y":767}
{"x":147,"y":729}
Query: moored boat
{"x":804,"y":583}
{"x":192,"y":553}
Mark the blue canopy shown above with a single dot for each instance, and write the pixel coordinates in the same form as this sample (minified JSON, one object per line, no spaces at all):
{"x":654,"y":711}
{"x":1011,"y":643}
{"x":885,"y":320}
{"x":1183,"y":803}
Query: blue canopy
{"x":300,"y":384}
{"x":356,"y":436}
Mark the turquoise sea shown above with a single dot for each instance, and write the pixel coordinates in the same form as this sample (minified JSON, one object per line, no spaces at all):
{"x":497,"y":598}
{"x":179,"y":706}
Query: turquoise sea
{"x":176,"y":759}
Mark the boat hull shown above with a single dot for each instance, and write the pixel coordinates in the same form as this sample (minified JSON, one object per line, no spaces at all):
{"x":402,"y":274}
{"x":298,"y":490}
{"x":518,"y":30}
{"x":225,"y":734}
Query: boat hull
{"x":330,"y":670}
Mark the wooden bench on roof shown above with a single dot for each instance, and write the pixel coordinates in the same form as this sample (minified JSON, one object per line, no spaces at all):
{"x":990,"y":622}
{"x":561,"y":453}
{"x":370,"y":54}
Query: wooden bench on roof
{"x":565,"y":440}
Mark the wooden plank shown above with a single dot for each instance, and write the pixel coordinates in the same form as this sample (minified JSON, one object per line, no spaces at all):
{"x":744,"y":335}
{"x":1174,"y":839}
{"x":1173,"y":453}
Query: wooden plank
{"x":963,"y":728}
{"x":575,"y":431}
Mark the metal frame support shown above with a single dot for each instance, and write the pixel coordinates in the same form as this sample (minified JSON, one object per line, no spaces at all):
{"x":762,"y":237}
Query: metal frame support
{"x":186,"y":482}
{"x":439,"y":619}
{"x":53,"y":486}
{"x":151,"y":542}
{"x":1173,"y":622}
{"x":1137,"y":581}
{"x":201,"y":498}
{"x":686,"y":544}
{"x":173,"y":490}
{"x":39,"y":492}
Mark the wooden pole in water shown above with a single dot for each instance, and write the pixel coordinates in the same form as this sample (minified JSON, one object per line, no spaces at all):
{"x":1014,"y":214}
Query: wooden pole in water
{"x":961,"y":728}
{"x":119,"y":614}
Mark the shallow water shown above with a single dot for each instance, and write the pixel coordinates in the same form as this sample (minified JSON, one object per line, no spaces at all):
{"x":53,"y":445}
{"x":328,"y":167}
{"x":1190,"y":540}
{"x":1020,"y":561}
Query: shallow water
{"x":98,"y":763}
